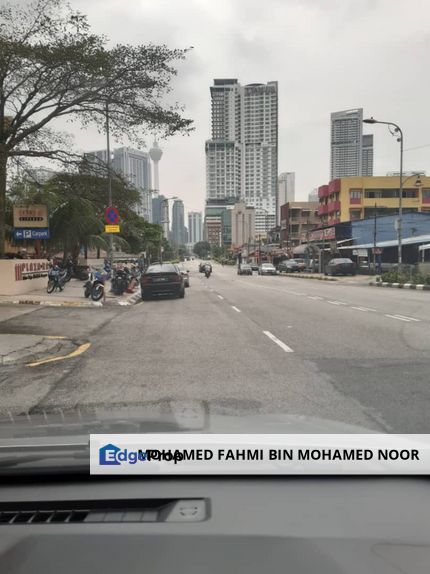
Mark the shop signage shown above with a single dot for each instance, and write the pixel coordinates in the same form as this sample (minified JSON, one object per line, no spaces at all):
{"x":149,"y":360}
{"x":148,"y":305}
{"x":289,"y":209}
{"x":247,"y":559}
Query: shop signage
{"x":30,"y":216}
{"x":25,"y":270}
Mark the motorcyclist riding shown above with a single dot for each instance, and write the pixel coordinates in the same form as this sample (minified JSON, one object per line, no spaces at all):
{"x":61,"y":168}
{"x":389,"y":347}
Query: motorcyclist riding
{"x":208,"y":270}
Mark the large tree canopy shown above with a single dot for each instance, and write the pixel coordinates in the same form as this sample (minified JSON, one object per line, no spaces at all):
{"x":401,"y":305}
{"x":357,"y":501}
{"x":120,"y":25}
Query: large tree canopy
{"x":52,"y":66}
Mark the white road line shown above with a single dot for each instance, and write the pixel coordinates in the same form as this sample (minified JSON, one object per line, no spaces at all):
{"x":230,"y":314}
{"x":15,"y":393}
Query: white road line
{"x":220,"y":297}
{"x":398,"y":318}
{"x":283,"y":346}
{"x":316,"y":298}
{"x":236,"y":309}
{"x":336,"y":303}
{"x":406,"y":317}
{"x":359,"y":308}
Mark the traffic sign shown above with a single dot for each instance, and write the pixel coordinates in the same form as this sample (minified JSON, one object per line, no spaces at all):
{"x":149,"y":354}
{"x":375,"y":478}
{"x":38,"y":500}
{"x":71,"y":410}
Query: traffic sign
{"x":111,"y":215}
{"x":111,"y":228}
{"x":20,"y":233}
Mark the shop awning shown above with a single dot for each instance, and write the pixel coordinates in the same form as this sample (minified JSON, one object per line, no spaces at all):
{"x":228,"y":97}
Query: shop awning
{"x":391,"y":242}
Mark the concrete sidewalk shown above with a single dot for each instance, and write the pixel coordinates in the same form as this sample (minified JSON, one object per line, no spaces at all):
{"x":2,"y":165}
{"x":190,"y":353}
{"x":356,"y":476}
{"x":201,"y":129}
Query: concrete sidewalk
{"x":71,"y":296}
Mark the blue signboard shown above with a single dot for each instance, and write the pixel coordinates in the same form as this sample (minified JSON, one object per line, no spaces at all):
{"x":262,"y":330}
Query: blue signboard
{"x":39,"y":233}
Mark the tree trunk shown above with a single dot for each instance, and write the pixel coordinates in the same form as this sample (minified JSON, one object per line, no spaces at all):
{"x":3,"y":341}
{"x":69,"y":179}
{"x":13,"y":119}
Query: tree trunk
{"x":98,"y":252}
{"x":3,"y":172}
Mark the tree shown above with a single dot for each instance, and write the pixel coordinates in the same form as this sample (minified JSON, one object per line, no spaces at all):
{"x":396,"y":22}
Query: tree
{"x":52,"y":66}
{"x":76,"y":204}
{"x":202,"y":249}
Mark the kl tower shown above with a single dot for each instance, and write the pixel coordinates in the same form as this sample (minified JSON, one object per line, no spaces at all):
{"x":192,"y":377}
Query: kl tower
{"x":155,"y":154}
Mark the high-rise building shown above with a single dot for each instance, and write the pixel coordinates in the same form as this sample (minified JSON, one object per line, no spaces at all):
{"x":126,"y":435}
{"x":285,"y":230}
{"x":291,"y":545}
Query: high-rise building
{"x":286,"y":188}
{"x":351,"y":152}
{"x":178,"y":235}
{"x":367,"y":159}
{"x":242,"y":225}
{"x":157,"y":209}
{"x":195,"y":227}
{"x":242,"y":156}
{"x":135,"y":166}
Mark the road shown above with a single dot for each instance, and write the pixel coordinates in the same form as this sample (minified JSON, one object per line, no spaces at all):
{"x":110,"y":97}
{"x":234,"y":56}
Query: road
{"x":240,"y":345}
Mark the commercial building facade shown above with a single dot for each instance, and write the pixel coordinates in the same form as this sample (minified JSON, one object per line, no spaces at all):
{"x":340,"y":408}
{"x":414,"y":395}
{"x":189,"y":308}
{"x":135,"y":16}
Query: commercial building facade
{"x":352,"y":198}
{"x":298,"y":219}
{"x":351,"y":153}
{"x":242,"y":225}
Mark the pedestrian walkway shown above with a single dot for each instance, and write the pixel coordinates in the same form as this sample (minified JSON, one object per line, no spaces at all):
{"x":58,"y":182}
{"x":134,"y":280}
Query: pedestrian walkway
{"x":71,"y":296}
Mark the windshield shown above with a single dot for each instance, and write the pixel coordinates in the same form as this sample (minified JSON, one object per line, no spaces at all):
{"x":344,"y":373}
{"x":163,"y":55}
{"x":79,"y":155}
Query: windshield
{"x":172,"y":145}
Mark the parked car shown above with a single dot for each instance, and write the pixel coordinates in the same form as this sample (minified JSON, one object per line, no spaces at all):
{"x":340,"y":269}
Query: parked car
{"x":340,"y":266}
{"x":301,"y":263}
{"x":254,"y":266}
{"x":162,"y":279}
{"x":267,"y":269}
{"x":288,"y":266}
{"x":244,"y":269}
{"x":185,"y":274}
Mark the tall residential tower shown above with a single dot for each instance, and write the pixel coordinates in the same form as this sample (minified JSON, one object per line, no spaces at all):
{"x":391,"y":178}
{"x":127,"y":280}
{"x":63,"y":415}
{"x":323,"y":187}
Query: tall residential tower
{"x":351,"y":152}
{"x":242,"y":156}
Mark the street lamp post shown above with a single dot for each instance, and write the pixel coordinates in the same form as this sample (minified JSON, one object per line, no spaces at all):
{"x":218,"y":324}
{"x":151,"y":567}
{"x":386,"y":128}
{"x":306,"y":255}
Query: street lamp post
{"x":109,"y":178}
{"x":398,"y":131}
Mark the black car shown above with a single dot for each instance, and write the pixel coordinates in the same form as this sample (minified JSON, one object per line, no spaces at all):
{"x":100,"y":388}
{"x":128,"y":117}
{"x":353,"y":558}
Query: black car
{"x":340,"y":266}
{"x":244,"y":269}
{"x":162,"y":279}
{"x":254,"y":266}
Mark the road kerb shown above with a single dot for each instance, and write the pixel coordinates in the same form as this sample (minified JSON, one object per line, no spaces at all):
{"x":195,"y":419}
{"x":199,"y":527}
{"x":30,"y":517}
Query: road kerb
{"x":400,"y":285}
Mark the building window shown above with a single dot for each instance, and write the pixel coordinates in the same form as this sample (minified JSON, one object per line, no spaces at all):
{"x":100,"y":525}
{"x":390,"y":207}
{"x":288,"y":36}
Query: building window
{"x":426,"y":195}
{"x":355,"y":194}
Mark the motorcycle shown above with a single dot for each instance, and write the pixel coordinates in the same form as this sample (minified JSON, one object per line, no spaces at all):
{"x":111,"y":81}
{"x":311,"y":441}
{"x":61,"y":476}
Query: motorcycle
{"x":207,"y":273}
{"x":56,"y":279}
{"x":120,"y":281}
{"x":95,"y":286}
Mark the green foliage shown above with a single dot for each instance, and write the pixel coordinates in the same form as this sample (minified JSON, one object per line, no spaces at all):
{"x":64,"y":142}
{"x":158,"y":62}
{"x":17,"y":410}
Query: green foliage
{"x":202,"y":249}
{"x":53,"y":66}
{"x":396,"y":277}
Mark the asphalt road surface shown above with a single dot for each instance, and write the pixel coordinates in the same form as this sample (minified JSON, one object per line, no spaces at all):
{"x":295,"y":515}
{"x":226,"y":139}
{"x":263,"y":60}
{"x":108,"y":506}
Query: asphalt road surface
{"x":240,"y":345}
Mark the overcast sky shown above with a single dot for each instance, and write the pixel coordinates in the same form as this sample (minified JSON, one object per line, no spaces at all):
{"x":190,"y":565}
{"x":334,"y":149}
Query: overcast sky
{"x":327,"y":55}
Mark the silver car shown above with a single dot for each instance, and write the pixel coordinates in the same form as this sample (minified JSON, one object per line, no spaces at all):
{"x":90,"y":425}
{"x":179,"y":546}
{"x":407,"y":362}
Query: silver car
{"x":267,"y":269}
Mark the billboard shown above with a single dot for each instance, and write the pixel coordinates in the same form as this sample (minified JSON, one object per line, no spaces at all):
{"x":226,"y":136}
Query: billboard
{"x":33,"y":216}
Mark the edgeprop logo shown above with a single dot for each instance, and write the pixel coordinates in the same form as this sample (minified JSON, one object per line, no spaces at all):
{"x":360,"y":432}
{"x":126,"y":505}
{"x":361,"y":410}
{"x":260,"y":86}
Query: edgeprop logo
{"x":110,"y":454}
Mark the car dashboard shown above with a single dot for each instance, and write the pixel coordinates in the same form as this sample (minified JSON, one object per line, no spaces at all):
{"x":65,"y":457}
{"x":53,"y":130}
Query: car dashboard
{"x":322,"y":525}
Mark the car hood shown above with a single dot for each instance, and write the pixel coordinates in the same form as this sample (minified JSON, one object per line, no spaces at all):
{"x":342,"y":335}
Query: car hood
{"x":177,"y":416}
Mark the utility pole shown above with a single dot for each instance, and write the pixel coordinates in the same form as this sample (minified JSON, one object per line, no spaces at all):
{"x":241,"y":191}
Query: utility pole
{"x":374,"y":243}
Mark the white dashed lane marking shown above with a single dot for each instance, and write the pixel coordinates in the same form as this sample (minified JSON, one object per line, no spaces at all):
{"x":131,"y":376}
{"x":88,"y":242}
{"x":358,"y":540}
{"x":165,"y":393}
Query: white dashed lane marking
{"x":316,"y":298}
{"x":280,"y":343}
{"x":403,"y":318}
{"x":336,"y":303}
{"x":236,"y":309}
{"x":220,"y":297}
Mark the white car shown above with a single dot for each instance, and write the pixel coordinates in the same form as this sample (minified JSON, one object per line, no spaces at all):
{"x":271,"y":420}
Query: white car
{"x":267,"y":269}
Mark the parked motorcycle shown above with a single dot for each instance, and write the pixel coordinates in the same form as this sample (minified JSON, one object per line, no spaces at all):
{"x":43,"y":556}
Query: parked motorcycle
{"x":56,"y":279}
{"x":120,"y":280}
{"x":95,"y":286}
